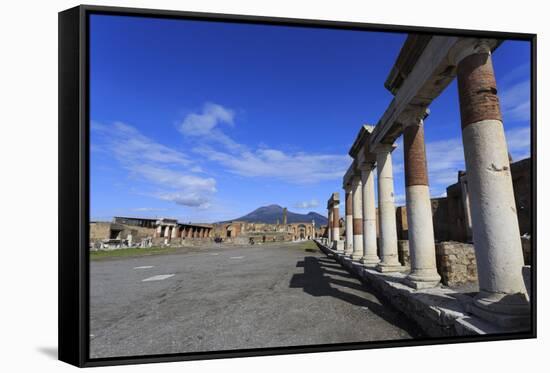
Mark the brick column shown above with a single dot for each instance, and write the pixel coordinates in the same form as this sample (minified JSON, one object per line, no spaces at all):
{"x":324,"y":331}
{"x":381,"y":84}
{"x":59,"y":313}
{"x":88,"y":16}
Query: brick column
{"x":348,"y":249}
{"x":357,"y":206}
{"x":370,"y":257}
{"x":386,"y":210}
{"x":419,"y":207}
{"x":502,"y":298}
{"x":329,"y":227}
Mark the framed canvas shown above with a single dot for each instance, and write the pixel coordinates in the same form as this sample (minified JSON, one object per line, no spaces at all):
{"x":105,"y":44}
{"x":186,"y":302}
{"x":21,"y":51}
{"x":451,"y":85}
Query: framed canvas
{"x":234,"y":186}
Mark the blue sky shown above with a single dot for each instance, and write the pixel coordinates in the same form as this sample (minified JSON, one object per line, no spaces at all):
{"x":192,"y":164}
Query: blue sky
{"x":207,"y":121}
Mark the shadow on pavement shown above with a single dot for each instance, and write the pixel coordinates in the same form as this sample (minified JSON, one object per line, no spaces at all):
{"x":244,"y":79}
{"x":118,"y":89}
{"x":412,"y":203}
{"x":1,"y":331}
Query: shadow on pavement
{"x":318,"y":282}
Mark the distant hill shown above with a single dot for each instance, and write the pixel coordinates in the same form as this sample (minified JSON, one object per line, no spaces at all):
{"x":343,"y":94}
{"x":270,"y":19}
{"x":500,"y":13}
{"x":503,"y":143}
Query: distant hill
{"x":270,"y":214}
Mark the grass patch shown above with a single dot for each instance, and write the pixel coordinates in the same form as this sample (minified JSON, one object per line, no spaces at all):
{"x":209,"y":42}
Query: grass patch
{"x":308,"y":246}
{"x":131,"y":251}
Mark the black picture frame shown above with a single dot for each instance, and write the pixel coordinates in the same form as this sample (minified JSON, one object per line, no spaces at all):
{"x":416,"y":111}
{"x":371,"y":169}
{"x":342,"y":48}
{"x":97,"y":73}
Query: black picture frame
{"x":74,"y":191}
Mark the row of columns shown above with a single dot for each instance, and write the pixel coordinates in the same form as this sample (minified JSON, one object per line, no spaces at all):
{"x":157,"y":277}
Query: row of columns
{"x":494,"y":222}
{"x":170,"y":231}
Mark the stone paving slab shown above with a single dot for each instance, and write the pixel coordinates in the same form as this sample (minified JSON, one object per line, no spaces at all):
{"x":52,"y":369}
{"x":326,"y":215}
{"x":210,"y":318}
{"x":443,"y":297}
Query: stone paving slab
{"x":439,"y":311}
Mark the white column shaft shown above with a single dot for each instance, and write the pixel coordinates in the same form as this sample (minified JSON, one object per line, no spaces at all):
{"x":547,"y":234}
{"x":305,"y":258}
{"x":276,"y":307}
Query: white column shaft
{"x":386,"y":209}
{"x":370,"y":256}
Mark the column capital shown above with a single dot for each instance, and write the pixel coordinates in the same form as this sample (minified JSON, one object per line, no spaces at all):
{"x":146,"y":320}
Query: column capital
{"x":356,"y":180}
{"x":384,"y":148}
{"x":467,"y":47}
{"x":366,"y":166}
{"x":414,"y":116}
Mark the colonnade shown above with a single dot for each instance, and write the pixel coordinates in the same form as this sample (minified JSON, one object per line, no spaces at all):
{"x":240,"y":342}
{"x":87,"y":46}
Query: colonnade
{"x":494,"y":223}
{"x":171,"y":231}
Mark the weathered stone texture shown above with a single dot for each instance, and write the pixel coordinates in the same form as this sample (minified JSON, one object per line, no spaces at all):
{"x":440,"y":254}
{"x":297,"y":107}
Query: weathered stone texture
{"x":401,"y":221}
{"x":349,"y":203}
{"x":456,"y":263}
{"x":404,"y":253}
{"x":416,"y":172}
{"x":357,"y":226}
{"x":477,"y":89}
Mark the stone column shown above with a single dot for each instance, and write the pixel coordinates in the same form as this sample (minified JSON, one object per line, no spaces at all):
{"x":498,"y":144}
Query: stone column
{"x":502,"y":297}
{"x":386,"y":210}
{"x":370,"y":257}
{"x":335,"y":222}
{"x":419,"y":207}
{"x":348,"y":250}
{"x":158,"y":231}
{"x":357,"y":206}
{"x":329,"y":228}
{"x":167,"y":232}
{"x":466,"y":204}
{"x":174,"y":232}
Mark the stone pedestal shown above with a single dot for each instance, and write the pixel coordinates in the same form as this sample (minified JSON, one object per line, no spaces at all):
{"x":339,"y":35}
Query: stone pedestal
{"x":503,"y":297}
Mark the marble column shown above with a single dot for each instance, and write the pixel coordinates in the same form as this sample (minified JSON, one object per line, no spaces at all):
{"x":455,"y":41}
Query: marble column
{"x":167,"y":232}
{"x":389,"y":261}
{"x":357,"y":206}
{"x":502,"y":297}
{"x":348,"y":249}
{"x":174,"y":232}
{"x":419,"y":207}
{"x":335,"y":222}
{"x":370,"y":257}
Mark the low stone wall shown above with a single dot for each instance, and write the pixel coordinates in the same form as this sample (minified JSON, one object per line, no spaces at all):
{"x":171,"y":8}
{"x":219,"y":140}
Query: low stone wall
{"x":456,"y":263}
{"x":403,"y":253}
{"x":439,"y":311}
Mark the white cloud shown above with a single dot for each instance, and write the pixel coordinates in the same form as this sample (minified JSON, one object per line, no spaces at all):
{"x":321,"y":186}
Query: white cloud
{"x":519,"y":142}
{"x":264,"y":161}
{"x":202,"y":124}
{"x":206,"y":124}
{"x":147,"y":209}
{"x":307,"y":204}
{"x":129,"y":145}
{"x":162,"y":167}
{"x":516,"y":103}
{"x":187,"y":199}
{"x":296,"y":168}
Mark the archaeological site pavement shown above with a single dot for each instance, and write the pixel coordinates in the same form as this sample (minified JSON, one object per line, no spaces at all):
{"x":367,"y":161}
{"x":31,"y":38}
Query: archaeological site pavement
{"x":227,"y":297}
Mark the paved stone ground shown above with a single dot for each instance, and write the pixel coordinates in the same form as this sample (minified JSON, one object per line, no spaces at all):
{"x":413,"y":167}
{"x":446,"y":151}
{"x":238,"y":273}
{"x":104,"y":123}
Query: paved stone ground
{"x":227,"y":297}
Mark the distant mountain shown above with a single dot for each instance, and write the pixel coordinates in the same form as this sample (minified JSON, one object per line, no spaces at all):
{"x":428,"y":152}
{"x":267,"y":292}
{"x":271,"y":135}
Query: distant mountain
{"x":270,"y":214}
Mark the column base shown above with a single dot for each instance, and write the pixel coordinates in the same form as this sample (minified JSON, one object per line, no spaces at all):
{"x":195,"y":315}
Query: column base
{"x":338,"y":246}
{"x":422,"y":279}
{"x":348,"y":250}
{"x":389,"y":267}
{"x":507,"y":310}
{"x":371,"y":261}
{"x":356,"y":256}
